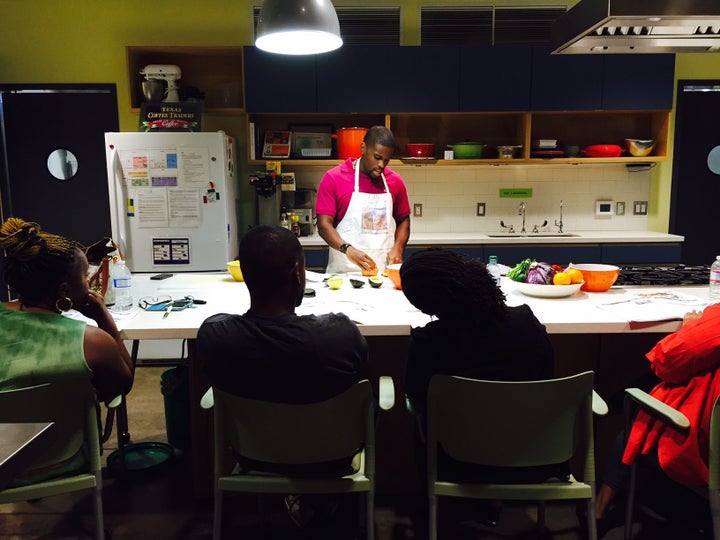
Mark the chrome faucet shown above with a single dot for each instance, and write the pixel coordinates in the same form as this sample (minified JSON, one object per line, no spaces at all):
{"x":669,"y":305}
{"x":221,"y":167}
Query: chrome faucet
{"x":510,"y":229}
{"x":559,"y":224}
{"x":521,"y":212}
{"x":536,"y":228}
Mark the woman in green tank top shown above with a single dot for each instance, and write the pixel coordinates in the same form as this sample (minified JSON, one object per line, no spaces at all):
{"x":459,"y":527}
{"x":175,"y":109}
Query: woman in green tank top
{"x":49,"y":275}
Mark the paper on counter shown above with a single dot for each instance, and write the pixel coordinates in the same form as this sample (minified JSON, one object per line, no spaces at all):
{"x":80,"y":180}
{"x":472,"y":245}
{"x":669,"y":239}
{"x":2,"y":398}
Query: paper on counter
{"x":655,"y":306}
{"x":314,"y":277}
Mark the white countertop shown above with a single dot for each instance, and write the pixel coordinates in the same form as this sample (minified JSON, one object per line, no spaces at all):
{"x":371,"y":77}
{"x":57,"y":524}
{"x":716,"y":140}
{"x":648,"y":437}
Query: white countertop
{"x":386,"y":311}
{"x":475,"y":238}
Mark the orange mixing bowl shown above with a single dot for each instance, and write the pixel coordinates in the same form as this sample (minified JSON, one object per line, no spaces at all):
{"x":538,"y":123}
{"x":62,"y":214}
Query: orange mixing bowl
{"x":393,"y":272}
{"x":597,"y":277}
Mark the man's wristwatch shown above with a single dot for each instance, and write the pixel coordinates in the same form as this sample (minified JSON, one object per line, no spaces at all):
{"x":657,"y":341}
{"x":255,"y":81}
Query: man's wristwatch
{"x":343,"y":248}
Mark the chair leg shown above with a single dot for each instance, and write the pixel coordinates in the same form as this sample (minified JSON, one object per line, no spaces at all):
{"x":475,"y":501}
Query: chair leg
{"x":217,"y":515}
{"x":370,"y":515}
{"x":592,"y":523}
{"x":629,"y":504}
{"x":97,"y":508}
{"x":714,"y":497}
{"x":432,"y":518}
{"x":540,"y":515}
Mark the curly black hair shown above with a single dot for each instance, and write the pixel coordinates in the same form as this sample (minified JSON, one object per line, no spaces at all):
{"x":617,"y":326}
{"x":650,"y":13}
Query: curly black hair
{"x":443,"y":283}
{"x":36,"y":261}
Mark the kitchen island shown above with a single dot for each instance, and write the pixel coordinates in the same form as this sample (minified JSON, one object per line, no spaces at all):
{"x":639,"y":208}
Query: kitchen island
{"x":588,"y":330}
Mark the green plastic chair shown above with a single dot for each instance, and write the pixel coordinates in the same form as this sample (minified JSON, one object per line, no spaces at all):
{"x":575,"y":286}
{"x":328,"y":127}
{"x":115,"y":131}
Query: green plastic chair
{"x":287,"y":434}
{"x":72,"y":405}
{"x":512,"y":424}
{"x":676,"y":419}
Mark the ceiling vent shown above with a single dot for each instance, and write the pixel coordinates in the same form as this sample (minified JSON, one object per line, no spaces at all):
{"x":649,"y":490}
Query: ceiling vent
{"x":488,"y":25}
{"x":364,"y":26}
{"x":638,"y":26}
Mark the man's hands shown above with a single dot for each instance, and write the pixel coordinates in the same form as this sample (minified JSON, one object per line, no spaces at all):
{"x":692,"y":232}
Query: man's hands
{"x":360,"y":258}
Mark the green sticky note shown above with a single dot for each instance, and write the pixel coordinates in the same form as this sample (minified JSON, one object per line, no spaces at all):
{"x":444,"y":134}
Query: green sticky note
{"x":515,"y":193}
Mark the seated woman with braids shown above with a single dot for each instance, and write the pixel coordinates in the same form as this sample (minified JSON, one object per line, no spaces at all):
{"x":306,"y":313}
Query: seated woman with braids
{"x":49,"y":275}
{"x":474,"y":334}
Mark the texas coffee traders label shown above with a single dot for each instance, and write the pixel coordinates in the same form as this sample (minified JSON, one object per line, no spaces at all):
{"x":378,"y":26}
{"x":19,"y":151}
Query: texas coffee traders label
{"x":156,"y":116}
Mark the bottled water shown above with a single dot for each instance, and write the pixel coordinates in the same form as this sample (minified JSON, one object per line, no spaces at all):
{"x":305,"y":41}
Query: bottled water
{"x":714,"y":293}
{"x":122,"y":283}
{"x":494,"y":270}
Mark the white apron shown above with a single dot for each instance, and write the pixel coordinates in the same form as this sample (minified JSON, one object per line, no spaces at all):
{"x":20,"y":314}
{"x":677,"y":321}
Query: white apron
{"x":368,"y":225}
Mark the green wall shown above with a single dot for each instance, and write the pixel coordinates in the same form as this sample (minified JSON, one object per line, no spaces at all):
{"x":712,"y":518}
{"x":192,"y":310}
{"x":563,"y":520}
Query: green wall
{"x":58,"y":41}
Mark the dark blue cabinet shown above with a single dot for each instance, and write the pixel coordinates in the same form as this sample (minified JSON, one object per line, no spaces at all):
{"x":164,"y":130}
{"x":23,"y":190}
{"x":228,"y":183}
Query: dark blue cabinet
{"x":638,"y":81}
{"x":565,"y":82}
{"x":494,"y":78}
{"x":279,"y":83}
{"x":353,"y":79}
{"x":380,"y":78}
{"x":422,"y":79}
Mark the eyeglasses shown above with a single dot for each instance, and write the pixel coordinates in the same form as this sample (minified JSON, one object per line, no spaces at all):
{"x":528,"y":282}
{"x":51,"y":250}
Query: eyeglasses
{"x":162,"y":303}
{"x":149,"y":303}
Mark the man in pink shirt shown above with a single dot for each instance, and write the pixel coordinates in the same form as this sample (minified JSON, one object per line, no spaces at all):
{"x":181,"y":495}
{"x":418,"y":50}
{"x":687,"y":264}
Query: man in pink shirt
{"x":363,"y":210}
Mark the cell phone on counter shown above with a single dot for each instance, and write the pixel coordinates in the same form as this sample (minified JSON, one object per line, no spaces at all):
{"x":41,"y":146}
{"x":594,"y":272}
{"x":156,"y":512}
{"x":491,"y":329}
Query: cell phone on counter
{"x":161,"y":276}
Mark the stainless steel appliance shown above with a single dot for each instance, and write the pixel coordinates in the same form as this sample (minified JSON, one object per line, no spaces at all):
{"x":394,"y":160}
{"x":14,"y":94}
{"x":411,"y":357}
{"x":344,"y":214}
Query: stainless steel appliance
{"x":638,"y":26}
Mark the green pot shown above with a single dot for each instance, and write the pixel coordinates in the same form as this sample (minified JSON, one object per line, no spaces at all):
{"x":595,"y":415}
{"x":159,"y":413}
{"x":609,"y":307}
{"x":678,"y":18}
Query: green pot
{"x":467,"y":150}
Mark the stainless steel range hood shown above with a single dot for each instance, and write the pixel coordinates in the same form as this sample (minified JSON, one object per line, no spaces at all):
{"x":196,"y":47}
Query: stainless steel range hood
{"x":638,"y":26}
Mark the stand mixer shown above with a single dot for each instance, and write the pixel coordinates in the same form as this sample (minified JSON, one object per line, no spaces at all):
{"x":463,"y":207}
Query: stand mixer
{"x":163,"y":72}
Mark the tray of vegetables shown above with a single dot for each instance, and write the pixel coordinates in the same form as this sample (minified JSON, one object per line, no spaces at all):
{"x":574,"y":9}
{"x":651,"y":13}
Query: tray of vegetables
{"x":545,"y":280}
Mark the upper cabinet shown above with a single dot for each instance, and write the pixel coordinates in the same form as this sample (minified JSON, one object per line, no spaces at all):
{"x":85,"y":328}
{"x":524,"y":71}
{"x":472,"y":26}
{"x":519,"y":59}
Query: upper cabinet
{"x":494,"y":78}
{"x":216,"y":72}
{"x":565,"y":82}
{"x":279,"y":83}
{"x":638,"y":81}
{"x":383,"y":78}
{"x":601,"y":82}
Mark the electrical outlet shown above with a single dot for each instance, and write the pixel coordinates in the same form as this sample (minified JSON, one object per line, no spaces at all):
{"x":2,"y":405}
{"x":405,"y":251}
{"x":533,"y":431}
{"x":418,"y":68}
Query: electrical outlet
{"x":640,"y":208}
{"x":620,"y":208}
{"x":417,"y":210}
{"x":480,"y":209}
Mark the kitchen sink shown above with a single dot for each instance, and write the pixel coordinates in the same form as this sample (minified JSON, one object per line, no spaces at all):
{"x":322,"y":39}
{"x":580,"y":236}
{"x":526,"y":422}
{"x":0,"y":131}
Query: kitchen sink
{"x":530,"y":235}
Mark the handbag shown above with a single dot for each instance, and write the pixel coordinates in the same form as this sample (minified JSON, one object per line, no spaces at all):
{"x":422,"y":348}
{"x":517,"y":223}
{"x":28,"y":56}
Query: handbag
{"x":101,"y":256}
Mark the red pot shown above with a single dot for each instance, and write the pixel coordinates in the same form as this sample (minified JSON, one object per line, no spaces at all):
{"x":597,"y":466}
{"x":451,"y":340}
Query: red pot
{"x":348,"y":141}
{"x":420,"y":149}
{"x":602,"y":150}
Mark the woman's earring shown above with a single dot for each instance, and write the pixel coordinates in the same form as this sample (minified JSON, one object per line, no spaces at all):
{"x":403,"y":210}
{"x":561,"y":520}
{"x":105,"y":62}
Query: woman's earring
{"x":64,"y":299}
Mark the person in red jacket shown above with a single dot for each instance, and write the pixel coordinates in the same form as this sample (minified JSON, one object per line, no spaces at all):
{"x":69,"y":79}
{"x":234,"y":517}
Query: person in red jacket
{"x":686,"y":362}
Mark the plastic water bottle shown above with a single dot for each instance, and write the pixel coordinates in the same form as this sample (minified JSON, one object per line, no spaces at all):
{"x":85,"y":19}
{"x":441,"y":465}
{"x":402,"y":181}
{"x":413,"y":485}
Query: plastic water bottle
{"x":714,"y":293}
{"x":122,"y":283}
{"x":494,"y":270}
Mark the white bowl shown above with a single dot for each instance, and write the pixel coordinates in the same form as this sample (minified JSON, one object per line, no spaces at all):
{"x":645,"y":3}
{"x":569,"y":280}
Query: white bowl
{"x":548,"y":291}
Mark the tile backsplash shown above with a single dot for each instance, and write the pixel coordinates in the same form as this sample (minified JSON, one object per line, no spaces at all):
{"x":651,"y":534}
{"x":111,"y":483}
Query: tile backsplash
{"x":449,"y":195}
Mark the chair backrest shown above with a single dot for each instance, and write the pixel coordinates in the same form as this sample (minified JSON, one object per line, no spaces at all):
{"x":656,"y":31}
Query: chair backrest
{"x":511,"y":424}
{"x":70,"y":403}
{"x":714,"y":452}
{"x":283,"y":433}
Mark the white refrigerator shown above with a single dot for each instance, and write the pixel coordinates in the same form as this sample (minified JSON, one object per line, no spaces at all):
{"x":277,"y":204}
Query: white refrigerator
{"x":173,"y":200}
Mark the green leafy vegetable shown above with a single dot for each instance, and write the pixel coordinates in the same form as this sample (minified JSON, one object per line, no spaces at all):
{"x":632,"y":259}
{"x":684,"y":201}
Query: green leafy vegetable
{"x":519,"y":272}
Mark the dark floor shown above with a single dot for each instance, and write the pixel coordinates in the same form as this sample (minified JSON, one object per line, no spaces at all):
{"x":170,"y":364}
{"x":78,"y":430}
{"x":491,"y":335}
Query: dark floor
{"x":158,"y":504}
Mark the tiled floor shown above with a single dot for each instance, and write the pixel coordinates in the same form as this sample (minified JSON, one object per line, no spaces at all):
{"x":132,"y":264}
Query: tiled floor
{"x":158,"y":505}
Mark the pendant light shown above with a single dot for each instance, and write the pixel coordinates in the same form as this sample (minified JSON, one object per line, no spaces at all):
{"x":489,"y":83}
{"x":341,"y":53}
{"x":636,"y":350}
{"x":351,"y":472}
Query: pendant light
{"x":298,"y":27}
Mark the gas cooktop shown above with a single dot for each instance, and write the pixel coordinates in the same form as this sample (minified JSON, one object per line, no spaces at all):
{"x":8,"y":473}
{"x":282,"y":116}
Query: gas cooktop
{"x":671,"y":274}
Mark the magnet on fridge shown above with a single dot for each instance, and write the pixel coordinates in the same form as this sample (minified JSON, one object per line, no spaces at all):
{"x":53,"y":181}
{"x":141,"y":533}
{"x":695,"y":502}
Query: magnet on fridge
{"x":130,"y":207}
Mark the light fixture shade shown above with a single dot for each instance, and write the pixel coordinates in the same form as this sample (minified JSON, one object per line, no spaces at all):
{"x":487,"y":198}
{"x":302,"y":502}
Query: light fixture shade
{"x":298,"y":27}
